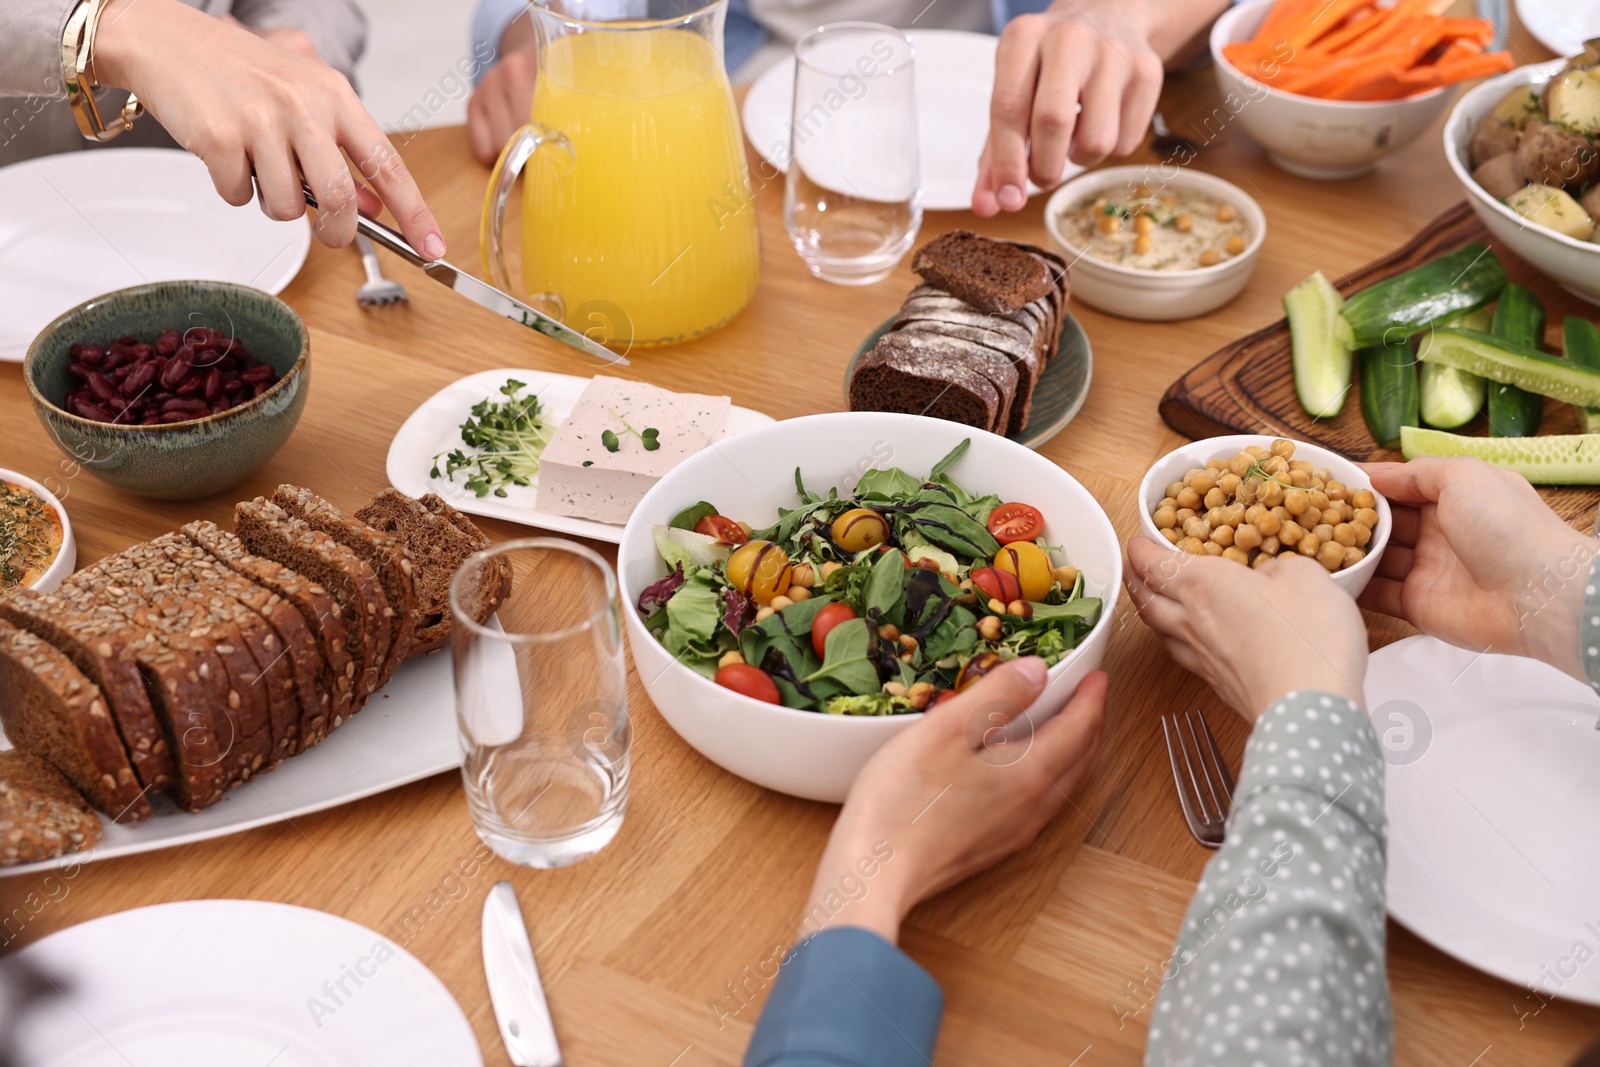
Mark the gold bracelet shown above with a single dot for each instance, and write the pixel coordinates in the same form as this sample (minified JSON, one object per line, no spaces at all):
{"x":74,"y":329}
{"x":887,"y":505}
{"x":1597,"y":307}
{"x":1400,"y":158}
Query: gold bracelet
{"x":77,"y":59}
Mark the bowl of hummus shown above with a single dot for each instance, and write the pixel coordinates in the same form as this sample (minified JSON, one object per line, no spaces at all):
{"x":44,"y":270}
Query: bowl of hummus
{"x":1155,"y":242}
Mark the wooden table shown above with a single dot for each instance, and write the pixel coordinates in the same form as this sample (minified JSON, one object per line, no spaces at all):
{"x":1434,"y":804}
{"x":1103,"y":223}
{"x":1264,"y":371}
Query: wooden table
{"x":652,"y":951}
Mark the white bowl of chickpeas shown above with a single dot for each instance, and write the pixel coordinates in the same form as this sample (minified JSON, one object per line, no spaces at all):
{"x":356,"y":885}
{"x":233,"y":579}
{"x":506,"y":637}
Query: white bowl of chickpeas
{"x":1155,"y":242}
{"x":1249,"y":498}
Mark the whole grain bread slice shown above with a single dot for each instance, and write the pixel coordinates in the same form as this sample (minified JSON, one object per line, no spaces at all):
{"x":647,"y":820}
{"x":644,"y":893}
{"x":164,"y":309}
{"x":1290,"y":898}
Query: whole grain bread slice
{"x":1013,"y":369}
{"x":319,"y":614}
{"x":496,"y":576}
{"x":50,"y":710}
{"x":106,"y":660}
{"x":922,"y":376}
{"x":993,"y":276}
{"x":386,"y":555}
{"x":438,"y":544}
{"x":269,"y":531}
{"x":41,"y":815}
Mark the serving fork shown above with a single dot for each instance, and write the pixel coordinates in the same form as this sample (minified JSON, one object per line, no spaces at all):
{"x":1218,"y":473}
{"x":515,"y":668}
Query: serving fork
{"x":1205,"y":788}
{"x":377,"y":291}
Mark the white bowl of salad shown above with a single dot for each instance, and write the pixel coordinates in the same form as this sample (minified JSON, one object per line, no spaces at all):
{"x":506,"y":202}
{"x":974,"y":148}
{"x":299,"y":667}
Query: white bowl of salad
{"x":797,"y":595}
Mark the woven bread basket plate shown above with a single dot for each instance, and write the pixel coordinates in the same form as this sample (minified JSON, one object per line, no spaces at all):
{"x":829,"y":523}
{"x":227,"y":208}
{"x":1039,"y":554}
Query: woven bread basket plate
{"x":1058,"y":396}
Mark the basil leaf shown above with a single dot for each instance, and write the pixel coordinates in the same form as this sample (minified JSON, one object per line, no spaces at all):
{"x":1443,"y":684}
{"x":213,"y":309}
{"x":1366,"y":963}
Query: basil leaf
{"x":690,"y":516}
{"x":887,"y":484}
{"x":957,"y":633}
{"x":846,"y":662}
{"x":949,"y":527}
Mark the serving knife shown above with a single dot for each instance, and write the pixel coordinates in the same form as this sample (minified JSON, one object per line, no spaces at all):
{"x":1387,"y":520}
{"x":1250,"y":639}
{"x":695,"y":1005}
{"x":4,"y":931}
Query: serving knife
{"x":514,"y":986}
{"x":480,"y":293}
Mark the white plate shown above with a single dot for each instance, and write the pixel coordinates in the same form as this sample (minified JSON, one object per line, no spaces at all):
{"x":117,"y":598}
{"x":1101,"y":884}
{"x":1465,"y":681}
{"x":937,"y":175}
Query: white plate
{"x":1561,"y":25}
{"x":1493,"y":797}
{"x":206,"y":982}
{"x":81,"y":224}
{"x":436,"y":427}
{"x":407,"y":731}
{"x":955,"y":76}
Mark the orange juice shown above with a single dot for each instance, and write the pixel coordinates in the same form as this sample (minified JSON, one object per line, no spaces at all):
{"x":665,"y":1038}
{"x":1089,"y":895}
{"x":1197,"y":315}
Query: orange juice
{"x":646,"y":230}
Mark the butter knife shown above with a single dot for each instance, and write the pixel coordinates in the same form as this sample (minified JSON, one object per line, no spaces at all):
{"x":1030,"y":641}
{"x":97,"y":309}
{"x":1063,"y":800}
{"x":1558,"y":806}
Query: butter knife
{"x":480,"y":293}
{"x":514,"y":986}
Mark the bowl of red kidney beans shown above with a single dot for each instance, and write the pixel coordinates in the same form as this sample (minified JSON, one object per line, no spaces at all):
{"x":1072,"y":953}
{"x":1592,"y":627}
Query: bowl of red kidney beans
{"x":171,"y":390}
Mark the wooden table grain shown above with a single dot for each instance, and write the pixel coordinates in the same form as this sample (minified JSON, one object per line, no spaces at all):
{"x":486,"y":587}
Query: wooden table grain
{"x":659,"y":951}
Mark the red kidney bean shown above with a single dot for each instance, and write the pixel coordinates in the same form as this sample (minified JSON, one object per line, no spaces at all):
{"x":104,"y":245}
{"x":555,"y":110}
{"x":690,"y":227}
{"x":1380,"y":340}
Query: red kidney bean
{"x":79,"y":371}
{"x":138,"y":379}
{"x":93,"y":411}
{"x":177,"y":368}
{"x":93,"y":355}
{"x":191,"y":385}
{"x":232,"y":386}
{"x":99,"y":384}
{"x":167,"y":342}
{"x":258,"y":375}
{"x":175,"y":416}
{"x":211,"y":384}
{"x":113,"y":360}
{"x":187,"y":373}
{"x":191,"y":405}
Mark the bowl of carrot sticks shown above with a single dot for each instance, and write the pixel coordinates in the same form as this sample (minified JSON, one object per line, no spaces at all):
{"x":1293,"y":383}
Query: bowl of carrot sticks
{"x":1329,"y":87}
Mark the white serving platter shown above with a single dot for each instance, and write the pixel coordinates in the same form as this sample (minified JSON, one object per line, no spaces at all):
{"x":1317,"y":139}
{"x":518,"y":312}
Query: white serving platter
{"x":436,"y":427}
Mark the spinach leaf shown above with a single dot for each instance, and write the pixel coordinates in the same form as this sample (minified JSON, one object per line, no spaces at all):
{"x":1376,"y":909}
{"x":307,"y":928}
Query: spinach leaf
{"x":786,"y":633}
{"x":937,"y":518}
{"x":982,"y":507}
{"x":885,"y":587}
{"x":886,"y":484}
{"x":689,"y":516}
{"x":1086,"y":608}
{"x":955,"y":634}
{"x":847,"y":662}
{"x":940,"y":468}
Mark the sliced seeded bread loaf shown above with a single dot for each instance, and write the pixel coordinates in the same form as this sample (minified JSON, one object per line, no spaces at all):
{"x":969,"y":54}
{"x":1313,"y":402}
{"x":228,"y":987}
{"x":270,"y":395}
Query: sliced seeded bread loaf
{"x":319,"y":614}
{"x":496,"y":575}
{"x":386,"y":555}
{"x":922,"y":375}
{"x":1016,"y":381}
{"x":993,"y":276}
{"x":269,"y":531}
{"x":438,"y":545}
{"x":41,"y":815}
{"x":106,"y":660}
{"x":50,"y":710}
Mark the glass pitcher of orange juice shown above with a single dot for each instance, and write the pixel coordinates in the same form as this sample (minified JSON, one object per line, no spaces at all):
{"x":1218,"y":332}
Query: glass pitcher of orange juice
{"x":637,"y":222}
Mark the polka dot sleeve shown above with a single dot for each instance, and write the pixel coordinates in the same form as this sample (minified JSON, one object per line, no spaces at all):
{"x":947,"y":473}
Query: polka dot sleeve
{"x":1589,"y":629}
{"x":1279,"y":961}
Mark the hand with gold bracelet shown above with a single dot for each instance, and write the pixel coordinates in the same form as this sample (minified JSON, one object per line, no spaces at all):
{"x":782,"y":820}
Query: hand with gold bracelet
{"x":260,"y":116}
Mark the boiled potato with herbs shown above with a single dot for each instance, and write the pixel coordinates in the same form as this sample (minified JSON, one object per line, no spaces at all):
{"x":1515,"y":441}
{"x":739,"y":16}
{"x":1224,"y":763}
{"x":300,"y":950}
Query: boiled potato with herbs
{"x":1572,"y":100}
{"x":1500,"y":176}
{"x":1553,"y":208}
{"x":1490,"y":138}
{"x":1517,"y":106}
{"x":1552,"y":155}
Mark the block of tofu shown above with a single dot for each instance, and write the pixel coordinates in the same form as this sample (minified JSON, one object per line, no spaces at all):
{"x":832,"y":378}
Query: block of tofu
{"x":579,"y":476}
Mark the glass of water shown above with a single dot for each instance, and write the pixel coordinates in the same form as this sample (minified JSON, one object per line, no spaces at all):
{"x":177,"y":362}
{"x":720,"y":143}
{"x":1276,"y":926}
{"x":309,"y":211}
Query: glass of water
{"x":853,"y":197}
{"x":541,"y":701}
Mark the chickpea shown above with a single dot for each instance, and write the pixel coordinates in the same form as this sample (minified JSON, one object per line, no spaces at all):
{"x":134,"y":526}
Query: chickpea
{"x":1223,"y":535}
{"x":989,"y":628}
{"x":1346,"y":512}
{"x":895,"y":689}
{"x":1282,"y":448}
{"x":1322,"y":531}
{"x":801,"y":576}
{"x":1296,"y":501}
{"x":1165,"y":518}
{"x":1309,"y":545}
{"x":1233,"y":245}
{"x":1256,"y":452}
{"x":1109,"y":223}
{"x":1228,"y":483}
{"x":1210,"y":257}
{"x":1226,"y":213}
{"x":1299,"y":479}
{"x":1291,"y":533}
{"x":764,"y":613}
{"x":1168,"y":199}
{"x":1188,"y":497}
{"x":1240,"y":464}
{"x":890,"y":632}
{"x":830,"y":568}
{"x":1192,"y":545}
{"x":1282,"y":513}
{"x":1183,"y":223}
{"x":1172,"y":536}
{"x":1183,"y":515}
{"x":1269,"y":524}
{"x":1261,"y":560}
{"x":1272,"y":494}
{"x":997,"y":606}
{"x":1211,"y":548}
{"x":1246,"y":493}
{"x":1352,"y":556}
{"x":1336,"y":490}
{"x":1367,"y":517}
{"x":1213,"y":516}
{"x":1319,"y":499}
{"x":798,"y":593}
{"x":1255,"y":511}
{"x":1236,"y":555}
{"x":779,"y":602}
{"x":1168,"y":502}
{"x":908,"y":643}
{"x":1247,"y":537}
{"x":1270,"y":546}
{"x":1331,"y":556}
{"x":1345,"y":534}
{"x":921,"y":693}
{"x":1174,"y":489}
{"x":1363,"y":498}
{"x":1216,"y":498}
{"x":731,"y":658}
{"x":1203,"y":483}
{"x":1301,"y":465}
{"x":1143,"y":224}
{"x":1017,"y":607}
{"x":1363,"y":534}
{"x":1319,"y":473}
{"x":1233,"y":514}
{"x":1216,"y":464}
{"x":1275,"y":465}
{"x":1198,"y":528}
{"x":1141,"y":191}
{"x":1067,"y":575}
{"x":1142,"y":246}
{"x":1331,"y":516}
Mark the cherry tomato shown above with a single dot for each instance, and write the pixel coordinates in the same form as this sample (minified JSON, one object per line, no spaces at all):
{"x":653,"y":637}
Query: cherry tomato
{"x":1031,"y":565}
{"x":826,"y":620}
{"x":1015,"y":522}
{"x":722,"y":529}
{"x":976,"y":668}
{"x":759,"y":569}
{"x":997,"y":584}
{"x":859,"y":529}
{"x":749,"y":681}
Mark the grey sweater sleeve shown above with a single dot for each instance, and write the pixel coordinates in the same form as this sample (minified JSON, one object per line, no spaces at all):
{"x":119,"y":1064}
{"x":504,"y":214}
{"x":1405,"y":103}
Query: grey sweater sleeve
{"x":336,"y":28}
{"x":31,"y":30}
{"x":1280,"y":959}
{"x":1589,"y":629}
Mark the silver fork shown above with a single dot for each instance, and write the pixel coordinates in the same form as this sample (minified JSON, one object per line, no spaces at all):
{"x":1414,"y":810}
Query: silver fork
{"x":377,"y":291}
{"x":1205,"y":794}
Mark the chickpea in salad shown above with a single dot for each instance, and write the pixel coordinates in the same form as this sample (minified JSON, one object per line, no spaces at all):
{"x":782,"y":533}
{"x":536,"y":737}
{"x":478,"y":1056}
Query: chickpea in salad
{"x":878,"y":601}
{"x":1147,"y":230}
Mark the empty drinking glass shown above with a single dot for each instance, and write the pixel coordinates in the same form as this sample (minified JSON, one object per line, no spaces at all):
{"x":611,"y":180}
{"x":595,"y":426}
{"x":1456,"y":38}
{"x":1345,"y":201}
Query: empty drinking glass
{"x":853,"y":197}
{"x":541,"y":701}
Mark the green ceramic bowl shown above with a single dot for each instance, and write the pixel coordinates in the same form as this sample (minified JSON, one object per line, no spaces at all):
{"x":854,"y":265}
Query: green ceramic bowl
{"x":182,"y":460}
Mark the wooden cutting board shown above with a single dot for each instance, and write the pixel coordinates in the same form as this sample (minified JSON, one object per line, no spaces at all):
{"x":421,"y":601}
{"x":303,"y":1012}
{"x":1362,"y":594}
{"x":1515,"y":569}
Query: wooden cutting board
{"x":1248,"y":387}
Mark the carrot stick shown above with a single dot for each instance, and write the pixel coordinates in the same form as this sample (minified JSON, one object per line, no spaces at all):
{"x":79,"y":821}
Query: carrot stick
{"x":1281,"y":11}
{"x":1353,"y":35}
{"x":1421,"y":79}
{"x":1317,"y":82}
{"x":1464,"y":29}
{"x":1324,"y":21}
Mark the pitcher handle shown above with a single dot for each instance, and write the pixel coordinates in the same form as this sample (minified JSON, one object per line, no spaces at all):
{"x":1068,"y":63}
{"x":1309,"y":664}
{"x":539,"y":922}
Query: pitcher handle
{"x":491,"y":234}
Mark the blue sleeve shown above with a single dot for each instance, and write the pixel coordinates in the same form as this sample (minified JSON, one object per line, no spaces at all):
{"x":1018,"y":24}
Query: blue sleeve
{"x":847,"y":998}
{"x":489,"y":24}
{"x":1280,"y":959}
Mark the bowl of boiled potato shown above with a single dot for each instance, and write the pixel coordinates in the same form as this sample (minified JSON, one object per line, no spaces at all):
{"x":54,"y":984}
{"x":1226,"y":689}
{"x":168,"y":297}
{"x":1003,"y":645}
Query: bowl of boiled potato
{"x":1249,"y":498}
{"x":1526,"y":147}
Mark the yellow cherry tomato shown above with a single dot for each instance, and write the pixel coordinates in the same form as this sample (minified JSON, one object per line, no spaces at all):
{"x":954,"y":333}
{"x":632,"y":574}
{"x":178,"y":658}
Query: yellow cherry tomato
{"x":759,"y":569}
{"x":859,"y":529}
{"x":1032,"y":566}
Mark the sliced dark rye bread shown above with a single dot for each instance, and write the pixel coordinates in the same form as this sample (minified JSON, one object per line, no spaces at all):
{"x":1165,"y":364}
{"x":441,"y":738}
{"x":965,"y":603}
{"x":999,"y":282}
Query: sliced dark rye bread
{"x":1021,"y":364}
{"x":496,"y":575}
{"x":181,"y":692}
{"x":438,"y":546}
{"x":41,"y":815}
{"x":922,"y":376}
{"x":267,"y":530}
{"x":386,"y":555}
{"x":106,"y":660}
{"x":50,"y":710}
{"x":238,"y":707}
{"x":993,"y":276}
{"x":273,"y":630}
{"x":319,"y":613}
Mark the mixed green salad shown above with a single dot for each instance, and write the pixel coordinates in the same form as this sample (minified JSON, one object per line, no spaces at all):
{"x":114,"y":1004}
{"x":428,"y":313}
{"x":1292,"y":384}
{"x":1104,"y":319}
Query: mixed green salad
{"x":878,"y":601}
